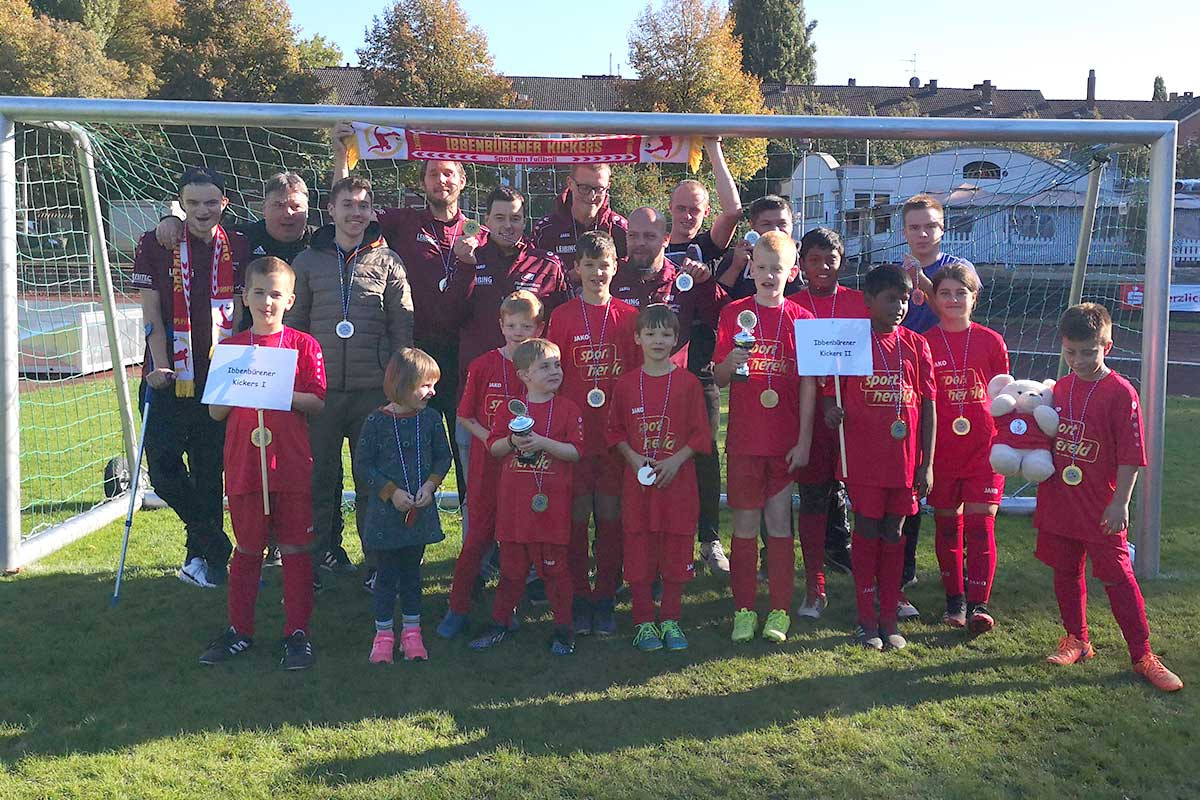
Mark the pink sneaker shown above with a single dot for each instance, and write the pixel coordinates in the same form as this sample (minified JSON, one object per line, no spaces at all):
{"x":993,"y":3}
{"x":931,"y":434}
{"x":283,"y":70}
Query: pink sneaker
{"x":381,"y":649}
{"x":414,"y":648}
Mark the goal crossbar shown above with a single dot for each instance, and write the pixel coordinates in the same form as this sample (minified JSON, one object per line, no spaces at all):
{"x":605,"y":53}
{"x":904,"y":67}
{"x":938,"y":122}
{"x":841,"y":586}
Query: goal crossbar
{"x":1159,"y":135}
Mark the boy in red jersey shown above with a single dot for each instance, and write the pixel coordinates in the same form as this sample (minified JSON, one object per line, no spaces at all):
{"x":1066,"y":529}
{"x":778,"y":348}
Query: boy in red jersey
{"x":491,"y":382}
{"x":595,"y":335}
{"x":658,"y":422}
{"x":769,"y":432}
{"x":889,"y":440}
{"x":821,"y":253}
{"x":269,"y":292}
{"x":533,"y":514}
{"x":1083,"y":508}
{"x":966,"y":490}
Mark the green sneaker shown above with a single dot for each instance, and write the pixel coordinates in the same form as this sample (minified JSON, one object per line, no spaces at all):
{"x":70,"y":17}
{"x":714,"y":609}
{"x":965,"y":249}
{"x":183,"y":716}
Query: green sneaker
{"x":745,"y":622}
{"x":672,"y":637}
{"x":776,"y":627}
{"x":647,"y":639}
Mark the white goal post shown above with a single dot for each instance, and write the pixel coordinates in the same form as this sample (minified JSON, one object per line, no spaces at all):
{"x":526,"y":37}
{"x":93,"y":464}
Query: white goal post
{"x":62,"y":113}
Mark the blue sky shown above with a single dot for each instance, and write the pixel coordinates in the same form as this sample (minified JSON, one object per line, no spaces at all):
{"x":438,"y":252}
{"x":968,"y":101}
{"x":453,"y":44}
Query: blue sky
{"x":1033,"y":44}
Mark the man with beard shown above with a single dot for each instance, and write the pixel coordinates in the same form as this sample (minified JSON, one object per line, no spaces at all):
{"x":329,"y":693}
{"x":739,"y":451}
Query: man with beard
{"x":582,"y":207}
{"x":648,"y":276}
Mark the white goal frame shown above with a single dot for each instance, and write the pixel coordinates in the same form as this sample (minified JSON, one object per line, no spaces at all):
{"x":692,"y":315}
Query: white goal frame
{"x":62,"y":112}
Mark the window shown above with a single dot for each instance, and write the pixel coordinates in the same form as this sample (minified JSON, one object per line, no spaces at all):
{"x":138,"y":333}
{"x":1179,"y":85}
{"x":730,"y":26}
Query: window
{"x":1031,"y":224}
{"x":1108,"y":223}
{"x":981,"y":170}
{"x":814,"y":208}
{"x":959,"y":226}
{"x":883,"y":215}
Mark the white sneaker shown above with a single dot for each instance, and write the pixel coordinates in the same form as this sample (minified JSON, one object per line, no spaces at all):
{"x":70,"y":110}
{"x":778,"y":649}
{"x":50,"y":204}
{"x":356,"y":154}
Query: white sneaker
{"x":813,"y":610}
{"x":714,"y":556}
{"x":905,"y":609}
{"x":195,"y":573}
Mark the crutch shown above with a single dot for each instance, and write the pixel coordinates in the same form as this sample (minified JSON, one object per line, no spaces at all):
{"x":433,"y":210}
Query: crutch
{"x":135,"y":478}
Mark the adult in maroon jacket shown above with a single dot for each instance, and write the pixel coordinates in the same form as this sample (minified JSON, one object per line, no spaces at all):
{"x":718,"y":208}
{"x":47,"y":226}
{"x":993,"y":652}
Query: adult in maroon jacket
{"x":582,"y":207}
{"x":425,"y":239}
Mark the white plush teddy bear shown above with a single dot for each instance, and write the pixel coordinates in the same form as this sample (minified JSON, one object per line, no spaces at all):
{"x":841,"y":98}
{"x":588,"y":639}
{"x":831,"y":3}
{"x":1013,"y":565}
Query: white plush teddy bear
{"x":1026,"y":424}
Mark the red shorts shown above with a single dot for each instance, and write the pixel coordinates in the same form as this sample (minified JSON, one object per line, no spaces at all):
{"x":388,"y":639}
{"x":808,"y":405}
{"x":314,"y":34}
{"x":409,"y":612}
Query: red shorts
{"x":753,"y":480}
{"x":950,"y":492}
{"x":648,"y":555}
{"x":599,"y":473}
{"x":1109,"y":555}
{"x":822,"y":460}
{"x":290,"y":522}
{"x":874,"y":502}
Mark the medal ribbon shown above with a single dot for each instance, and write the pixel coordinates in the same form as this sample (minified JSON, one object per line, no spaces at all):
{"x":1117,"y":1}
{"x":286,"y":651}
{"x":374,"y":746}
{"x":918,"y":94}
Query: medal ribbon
{"x":447,"y":256}
{"x":962,"y":406}
{"x":645,"y":415}
{"x":899,"y":373}
{"x":400,"y":451}
{"x":1077,"y":438}
{"x":539,"y":476}
{"x":587,"y":327}
{"x":832,"y":309}
{"x":762,"y":335}
{"x":344,"y":284}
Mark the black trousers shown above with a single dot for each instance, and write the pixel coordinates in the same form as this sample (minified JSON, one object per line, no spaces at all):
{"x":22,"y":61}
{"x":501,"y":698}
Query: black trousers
{"x":178,"y":427}
{"x":708,"y":469}
{"x":342,"y":419}
{"x":446,"y":401}
{"x":399,"y":577}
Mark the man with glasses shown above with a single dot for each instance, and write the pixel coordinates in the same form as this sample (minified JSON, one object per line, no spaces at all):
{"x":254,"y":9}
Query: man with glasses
{"x":582,"y":207}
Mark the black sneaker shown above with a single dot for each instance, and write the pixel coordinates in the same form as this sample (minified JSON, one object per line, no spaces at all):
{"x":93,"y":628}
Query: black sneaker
{"x":562,"y":643}
{"x":979,"y":620}
{"x":297,"y":652}
{"x":337,"y":562}
{"x":956,"y":611}
{"x":656,"y":590}
{"x":581,"y":614}
{"x":317,"y":585}
{"x":226,"y":646}
{"x":535,"y":592}
{"x":839,"y":560}
{"x":603,"y":621}
{"x":273,"y":558}
{"x":493,"y":636}
{"x":369,"y":581}
{"x":217,"y":573}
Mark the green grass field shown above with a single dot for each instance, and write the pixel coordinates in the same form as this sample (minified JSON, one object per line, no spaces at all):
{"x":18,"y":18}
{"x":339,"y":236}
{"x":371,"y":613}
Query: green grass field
{"x":109,"y":703}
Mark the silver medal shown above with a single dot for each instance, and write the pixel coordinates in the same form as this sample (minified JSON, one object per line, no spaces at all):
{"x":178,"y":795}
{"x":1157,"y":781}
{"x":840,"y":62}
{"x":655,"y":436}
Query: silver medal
{"x":344,"y":329}
{"x":684,"y":282}
{"x":646,"y":475}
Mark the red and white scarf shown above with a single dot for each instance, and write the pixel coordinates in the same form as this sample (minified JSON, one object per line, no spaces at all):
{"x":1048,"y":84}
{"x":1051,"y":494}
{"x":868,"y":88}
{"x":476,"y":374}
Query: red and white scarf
{"x":220,"y":298}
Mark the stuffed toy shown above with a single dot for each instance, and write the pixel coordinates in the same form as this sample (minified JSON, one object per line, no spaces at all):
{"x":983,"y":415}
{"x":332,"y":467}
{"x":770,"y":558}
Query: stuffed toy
{"x":1026,"y":424}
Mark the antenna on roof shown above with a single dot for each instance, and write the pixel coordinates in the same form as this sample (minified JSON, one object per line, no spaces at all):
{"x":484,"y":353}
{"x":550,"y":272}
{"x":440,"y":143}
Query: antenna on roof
{"x":912,"y":62}
{"x":610,"y":72}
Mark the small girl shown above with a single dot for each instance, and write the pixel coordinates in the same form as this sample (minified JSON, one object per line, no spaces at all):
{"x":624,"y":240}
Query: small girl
{"x":966,"y":356}
{"x":402,"y":456}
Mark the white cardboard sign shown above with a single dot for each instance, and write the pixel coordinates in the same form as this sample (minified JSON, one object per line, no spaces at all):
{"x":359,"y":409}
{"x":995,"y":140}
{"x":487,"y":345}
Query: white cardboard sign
{"x":251,"y":377}
{"x":834,"y":347}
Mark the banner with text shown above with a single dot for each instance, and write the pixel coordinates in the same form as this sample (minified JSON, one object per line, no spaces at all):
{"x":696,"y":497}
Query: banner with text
{"x":834,"y":347}
{"x":1184,"y":297}
{"x":251,"y":377}
{"x":382,"y":142}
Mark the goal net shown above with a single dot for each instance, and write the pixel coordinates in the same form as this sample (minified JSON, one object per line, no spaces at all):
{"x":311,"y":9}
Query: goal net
{"x":1015,"y":210}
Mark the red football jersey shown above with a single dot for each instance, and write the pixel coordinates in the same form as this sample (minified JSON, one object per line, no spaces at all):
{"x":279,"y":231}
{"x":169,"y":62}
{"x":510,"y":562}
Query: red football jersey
{"x":596,"y":349}
{"x":491,"y":382}
{"x":873,"y":457}
{"x":1103,"y":437}
{"x":844,"y":303}
{"x":963,"y":363}
{"x":289,"y":458}
{"x":754,"y":430}
{"x":659,"y":424}
{"x":516,"y":521}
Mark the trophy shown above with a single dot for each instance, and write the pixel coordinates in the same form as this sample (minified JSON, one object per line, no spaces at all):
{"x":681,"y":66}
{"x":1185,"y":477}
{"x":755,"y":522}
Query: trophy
{"x":744,"y":339}
{"x":520,"y":425}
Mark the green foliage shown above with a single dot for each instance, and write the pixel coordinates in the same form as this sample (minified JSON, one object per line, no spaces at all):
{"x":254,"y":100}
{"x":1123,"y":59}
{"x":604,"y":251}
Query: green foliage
{"x":317,"y":51}
{"x":97,"y":16}
{"x":1187,"y":159}
{"x":689,"y":61}
{"x":426,"y":53}
{"x":651,"y":185}
{"x":777,"y":42}
{"x":142,"y":36}
{"x":1160,"y":89}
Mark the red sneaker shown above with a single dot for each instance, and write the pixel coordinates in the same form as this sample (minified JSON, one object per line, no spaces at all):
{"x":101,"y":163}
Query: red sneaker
{"x":1159,"y":676}
{"x":414,"y":648}
{"x":381,"y":648}
{"x":1070,"y":651}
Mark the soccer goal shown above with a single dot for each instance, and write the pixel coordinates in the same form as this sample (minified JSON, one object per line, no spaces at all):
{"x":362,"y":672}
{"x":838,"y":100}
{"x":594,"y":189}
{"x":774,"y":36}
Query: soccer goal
{"x":1048,"y":210}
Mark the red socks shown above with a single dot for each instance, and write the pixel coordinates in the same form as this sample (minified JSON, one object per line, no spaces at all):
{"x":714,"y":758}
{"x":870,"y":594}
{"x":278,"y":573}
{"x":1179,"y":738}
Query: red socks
{"x":672,"y":601}
{"x":643,"y":602}
{"x":743,"y":571}
{"x":577,"y":559}
{"x":812,"y":543}
{"x":864,"y":560}
{"x":891,"y":570}
{"x":980,"y":533}
{"x":609,"y":550}
{"x":781,"y":570}
{"x":244,"y":572}
{"x":297,"y":591}
{"x":948,"y":543}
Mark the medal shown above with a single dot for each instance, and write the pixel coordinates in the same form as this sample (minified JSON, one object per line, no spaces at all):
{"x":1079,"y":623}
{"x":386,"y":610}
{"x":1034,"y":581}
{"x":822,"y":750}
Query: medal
{"x":539,"y":503}
{"x":769,"y":398}
{"x":261,"y":436}
{"x":470,"y":228}
{"x":442,"y":284}
{"x":899,"y":429}
{"x":344,"y":329}
{"x":646,"y":475}
{"x":596,"y":397}
{"x":684,"y":282}
{"x":1072,"y":475}
{"x":961,"y":426}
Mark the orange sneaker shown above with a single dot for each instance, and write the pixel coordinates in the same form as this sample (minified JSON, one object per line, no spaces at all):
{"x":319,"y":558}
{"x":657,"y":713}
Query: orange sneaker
{"x":1070,"y":651}
{"x":1159,"y":676}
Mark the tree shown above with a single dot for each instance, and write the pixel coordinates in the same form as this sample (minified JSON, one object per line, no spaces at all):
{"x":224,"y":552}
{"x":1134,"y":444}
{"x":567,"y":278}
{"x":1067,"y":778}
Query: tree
{"x":776,"y":40}
{"x":317,"y":51}
{"x":97,"y":16}
{"x":1160,"y":89}
{"x":1187,"y":159}
{"x":46,"y":57}
{"x":426,"y":53}
{"x":239,"y":50}
{"x":143,"y":35}
{"x":688,"y":60}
